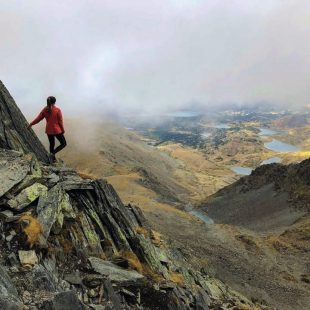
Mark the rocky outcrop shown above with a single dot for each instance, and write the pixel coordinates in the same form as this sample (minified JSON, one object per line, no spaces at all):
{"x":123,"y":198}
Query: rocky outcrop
{"x":69,"y":242}
{"x":77,"y":225}
{"x":77,"y":238}
{"x":14,"y":134}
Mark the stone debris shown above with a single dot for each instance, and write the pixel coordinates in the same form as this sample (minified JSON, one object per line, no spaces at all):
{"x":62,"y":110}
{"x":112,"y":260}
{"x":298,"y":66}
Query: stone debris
{"x":113,"y":272}
{"x":28,"y":258}
{"x":11,"y":235}
{"x":12,"y":171}
{"x":66,"y":301}
{"x":74,"y":278}
{"x":10,"y":303}
{"x":14,"y":262}
{"x":6,"y":285}
{"x":6,"y":214}
{"x":93,"y":280}
{"x":27,"y":196}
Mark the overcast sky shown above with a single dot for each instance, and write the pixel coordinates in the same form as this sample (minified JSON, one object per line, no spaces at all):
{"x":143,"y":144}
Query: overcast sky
{"x":149,"y":55}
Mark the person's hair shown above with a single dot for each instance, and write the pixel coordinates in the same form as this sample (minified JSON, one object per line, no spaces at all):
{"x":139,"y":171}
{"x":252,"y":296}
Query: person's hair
{"x":50,"y":101}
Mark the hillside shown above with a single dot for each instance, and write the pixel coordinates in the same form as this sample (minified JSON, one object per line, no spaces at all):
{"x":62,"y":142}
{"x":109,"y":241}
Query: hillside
{"x":273,"y":196}
{"x":260,"y":242}
{"x":121,"y":153}
{"x":293,"y":121}
{"x":163,"y":177}
{"x":68,"y":242}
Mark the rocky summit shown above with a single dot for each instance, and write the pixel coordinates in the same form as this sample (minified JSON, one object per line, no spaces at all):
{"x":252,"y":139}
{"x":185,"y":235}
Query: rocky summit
{"x":68,"y":241}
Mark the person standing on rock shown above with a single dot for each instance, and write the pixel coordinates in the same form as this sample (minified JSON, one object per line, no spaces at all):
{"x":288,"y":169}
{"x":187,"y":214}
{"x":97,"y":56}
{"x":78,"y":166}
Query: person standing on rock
{"x":54,"y":126}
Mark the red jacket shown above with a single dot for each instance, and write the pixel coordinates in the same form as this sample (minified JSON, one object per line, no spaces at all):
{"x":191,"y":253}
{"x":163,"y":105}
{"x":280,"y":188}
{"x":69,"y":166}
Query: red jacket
{"x":54,"y":120}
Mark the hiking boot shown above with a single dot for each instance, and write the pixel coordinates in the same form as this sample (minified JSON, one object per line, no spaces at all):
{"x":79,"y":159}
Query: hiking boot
{"x":51,"y":158}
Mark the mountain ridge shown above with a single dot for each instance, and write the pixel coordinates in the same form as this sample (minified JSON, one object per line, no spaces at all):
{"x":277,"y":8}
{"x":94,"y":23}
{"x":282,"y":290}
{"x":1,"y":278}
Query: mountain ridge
{"x":69,"y":242}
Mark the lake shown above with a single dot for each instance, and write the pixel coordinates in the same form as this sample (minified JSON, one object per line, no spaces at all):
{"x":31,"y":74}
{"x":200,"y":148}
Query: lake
{"x":242,"y":170}
{"x":202,"y":216}
{"x":205,"y":134}
{"x":266,"y":132}
{"x":278,"y":146}
{"x":221,"y":126}
{"x":183,"y":114}
{"x":247,"y":171}
{"x":271,"y":160}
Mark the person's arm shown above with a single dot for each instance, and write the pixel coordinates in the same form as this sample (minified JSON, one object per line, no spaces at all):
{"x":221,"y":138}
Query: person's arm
{"x":38,"y":118}
{"x":60,"y":121}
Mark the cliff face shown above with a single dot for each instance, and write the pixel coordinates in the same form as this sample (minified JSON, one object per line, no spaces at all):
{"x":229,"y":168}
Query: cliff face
{"x":14,"y":134}
{"x":68,"y":242}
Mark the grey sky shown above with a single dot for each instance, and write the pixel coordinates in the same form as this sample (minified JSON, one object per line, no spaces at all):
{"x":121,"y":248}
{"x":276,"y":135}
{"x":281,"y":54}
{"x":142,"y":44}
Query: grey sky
{"x":148,"y":55}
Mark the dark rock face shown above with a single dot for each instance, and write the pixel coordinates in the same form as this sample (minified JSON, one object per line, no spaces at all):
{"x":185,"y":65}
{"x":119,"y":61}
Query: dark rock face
{"x":10,"y":303}
{"x":8,"y":294}
{"x":66,"y":301}
{"x":6,"y":285}
{"x":14,"y":134}
{"x":79,"y":246}
{"x":274,"y":195}
{"x":13,"y":170}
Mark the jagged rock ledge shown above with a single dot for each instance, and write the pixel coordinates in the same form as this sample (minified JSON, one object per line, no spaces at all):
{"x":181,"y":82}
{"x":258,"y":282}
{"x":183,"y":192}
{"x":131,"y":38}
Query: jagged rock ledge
{"x":65,"y":234}
{"x":13,"y":128}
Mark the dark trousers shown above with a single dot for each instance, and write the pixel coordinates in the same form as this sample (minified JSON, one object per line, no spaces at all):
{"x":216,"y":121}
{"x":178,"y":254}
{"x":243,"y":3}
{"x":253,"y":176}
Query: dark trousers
{"x":61,"y":139}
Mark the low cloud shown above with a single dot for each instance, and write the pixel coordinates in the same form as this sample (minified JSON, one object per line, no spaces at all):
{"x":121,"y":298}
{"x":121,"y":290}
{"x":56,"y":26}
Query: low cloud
{"x":149,"y":56}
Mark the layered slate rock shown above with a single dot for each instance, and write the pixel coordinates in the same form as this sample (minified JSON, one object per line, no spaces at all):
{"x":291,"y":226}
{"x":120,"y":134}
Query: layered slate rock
{"x":9,"y":298}
{"x":13,"y":169}
{"x":6,"y":285}
{"x":14,"y":134}
{"x":113,"y":272}
{"x":85,"y":227}
{"x":27,"y":196}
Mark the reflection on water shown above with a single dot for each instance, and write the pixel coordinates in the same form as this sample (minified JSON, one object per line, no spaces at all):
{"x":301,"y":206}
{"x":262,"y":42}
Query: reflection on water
{"x":202,"y":216}
{"x":266,"y":132}
{"x":242,"y":170}
{"x":247,"y":171}
{"x":184,"y":114}
{"x":278,"y":146}
{"x":221,"y":126}
{"x":271,"y":160}
{"x":206,"y":134}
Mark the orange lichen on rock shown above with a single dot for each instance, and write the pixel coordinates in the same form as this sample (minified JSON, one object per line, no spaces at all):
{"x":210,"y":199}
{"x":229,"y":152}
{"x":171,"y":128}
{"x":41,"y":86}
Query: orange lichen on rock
{"x":142,"y":231}
{"x":177,"y":278}
{"x":247,"y":307}
{"x":156,"y":238}
{"x":133,"y":260}
{"x":135,"y":264}
{"x":67,"y":245}
{"x":150,"y":273}
{"x":85,"y":175}
{"x":32,"y":229}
